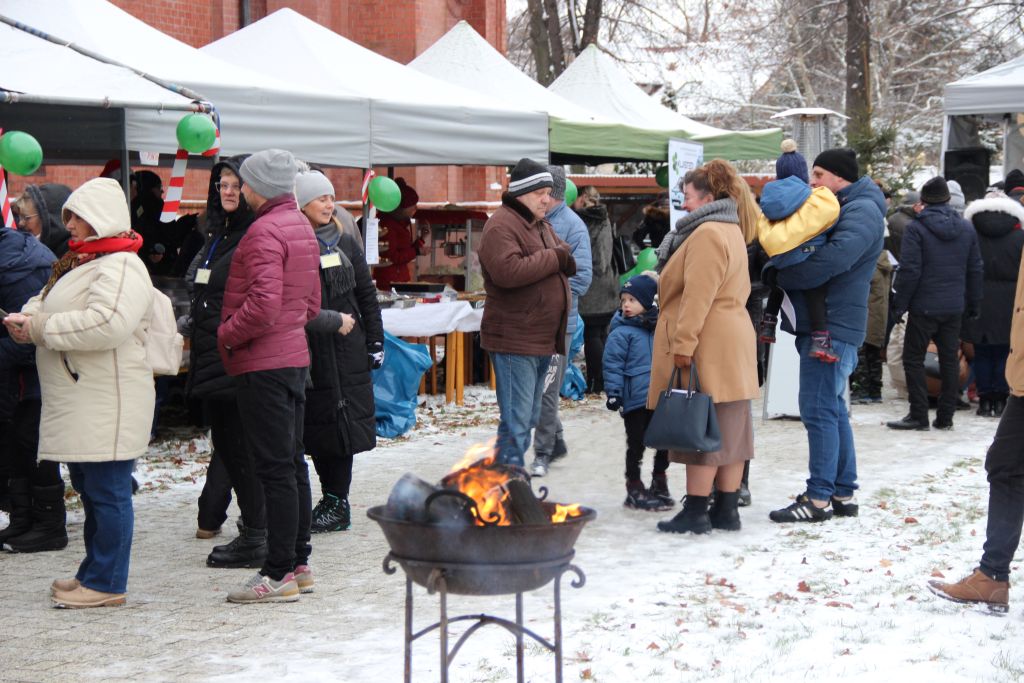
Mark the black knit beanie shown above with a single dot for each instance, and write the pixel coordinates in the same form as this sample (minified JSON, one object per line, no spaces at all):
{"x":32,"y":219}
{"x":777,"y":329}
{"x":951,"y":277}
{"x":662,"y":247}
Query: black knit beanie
{"x":842,"y":161}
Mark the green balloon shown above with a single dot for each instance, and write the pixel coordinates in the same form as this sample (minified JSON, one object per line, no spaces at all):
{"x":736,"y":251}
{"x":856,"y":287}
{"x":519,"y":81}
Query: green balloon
{"x":646,"y":260}
{"x":384,"y":194}
{"x":624,"y":278}
{"x":196,"y":133}
{"x":571,"y":193}
{"x":661,"y":176}
{"x":20,"y":153}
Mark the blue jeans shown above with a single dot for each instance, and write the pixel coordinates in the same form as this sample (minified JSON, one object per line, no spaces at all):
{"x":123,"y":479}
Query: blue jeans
{"x":106,"y":492}
{"x":519,"y":382}
{"x":833,"y":459}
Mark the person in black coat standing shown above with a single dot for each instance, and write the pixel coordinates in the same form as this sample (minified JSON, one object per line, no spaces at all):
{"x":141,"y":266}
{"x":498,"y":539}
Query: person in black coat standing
{"x":997,"y":220}
{"x":228,"y":217}
{"x":939,"y":283}
{"x":346,"y":342}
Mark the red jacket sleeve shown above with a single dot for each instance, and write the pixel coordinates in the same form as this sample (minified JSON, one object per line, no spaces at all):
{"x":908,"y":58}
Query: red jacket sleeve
{"x":262,"y":258}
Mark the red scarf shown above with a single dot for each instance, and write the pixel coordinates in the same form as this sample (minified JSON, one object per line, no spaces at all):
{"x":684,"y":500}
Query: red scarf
{"x":88,"y":250}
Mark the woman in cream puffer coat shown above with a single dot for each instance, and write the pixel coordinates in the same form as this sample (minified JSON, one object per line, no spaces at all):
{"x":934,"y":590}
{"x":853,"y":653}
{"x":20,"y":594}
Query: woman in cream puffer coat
{"x":89,"y":325}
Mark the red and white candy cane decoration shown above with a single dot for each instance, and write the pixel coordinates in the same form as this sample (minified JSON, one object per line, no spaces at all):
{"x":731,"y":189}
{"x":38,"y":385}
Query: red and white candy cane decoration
{"x":8,"y":215}
{"x":366,"y":185}
{"x":175,"y":187}
{"x":177,"y":183}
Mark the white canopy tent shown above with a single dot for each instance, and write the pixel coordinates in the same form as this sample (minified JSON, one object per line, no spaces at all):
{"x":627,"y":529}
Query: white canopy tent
{"x":44,"y":87}
{"x":464,"y":58}
{"x":414,"y":120}
{"x":256,"y":110}
{"x":993,"y":95}
{"x":593,"y":81}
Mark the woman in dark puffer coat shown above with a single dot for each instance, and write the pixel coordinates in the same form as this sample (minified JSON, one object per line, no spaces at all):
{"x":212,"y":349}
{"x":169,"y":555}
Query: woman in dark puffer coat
{"x":228,"y":217}
{"x":346,"y":341}
{"x":997,"y":221}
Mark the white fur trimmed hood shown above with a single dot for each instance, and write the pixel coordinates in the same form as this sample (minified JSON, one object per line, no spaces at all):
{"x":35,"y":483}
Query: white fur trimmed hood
{"x":997,"y":204}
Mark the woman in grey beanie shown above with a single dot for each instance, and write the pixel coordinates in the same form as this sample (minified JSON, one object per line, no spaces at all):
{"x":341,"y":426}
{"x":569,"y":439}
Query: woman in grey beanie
{"x":346,"y":342}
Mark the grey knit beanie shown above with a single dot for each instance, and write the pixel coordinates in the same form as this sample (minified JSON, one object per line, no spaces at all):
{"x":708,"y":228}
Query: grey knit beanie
{"x":270,"y":173}
{"x":557,"y":182}
{"x":310,"y":185}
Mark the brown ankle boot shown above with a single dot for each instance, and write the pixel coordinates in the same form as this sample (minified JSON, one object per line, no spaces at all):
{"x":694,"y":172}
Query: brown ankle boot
{"x":975,"y":589}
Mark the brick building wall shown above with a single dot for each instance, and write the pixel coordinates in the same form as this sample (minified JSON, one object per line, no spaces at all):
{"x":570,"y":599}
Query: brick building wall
{"x":399,"y":30}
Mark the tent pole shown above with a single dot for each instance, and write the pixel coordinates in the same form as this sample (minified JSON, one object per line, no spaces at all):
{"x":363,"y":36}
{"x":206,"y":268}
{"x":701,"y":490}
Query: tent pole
{"x":125,"y":179}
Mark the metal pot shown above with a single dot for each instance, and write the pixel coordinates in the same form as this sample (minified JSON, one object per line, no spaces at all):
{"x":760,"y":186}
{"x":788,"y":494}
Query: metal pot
{"x":455,"y":248}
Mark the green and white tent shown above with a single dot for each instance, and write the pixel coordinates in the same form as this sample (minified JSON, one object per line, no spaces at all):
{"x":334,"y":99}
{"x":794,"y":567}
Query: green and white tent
{"x":593,"y":81}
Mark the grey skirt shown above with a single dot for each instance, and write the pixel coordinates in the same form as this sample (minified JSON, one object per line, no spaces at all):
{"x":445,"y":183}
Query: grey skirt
{"x":737,"y":429}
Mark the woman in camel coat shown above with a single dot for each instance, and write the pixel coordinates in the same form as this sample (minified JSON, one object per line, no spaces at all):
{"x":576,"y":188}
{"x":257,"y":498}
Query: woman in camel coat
{"x":703,"y":322}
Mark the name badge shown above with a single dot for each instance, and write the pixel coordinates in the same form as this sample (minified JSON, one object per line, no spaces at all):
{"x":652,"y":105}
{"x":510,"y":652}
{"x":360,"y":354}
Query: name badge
{"x":203,"y":276}
{"x":332,"y":260}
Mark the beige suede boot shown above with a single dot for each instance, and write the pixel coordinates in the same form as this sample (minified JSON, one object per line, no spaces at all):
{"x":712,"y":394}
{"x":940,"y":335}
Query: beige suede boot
{"x":975,"y":589}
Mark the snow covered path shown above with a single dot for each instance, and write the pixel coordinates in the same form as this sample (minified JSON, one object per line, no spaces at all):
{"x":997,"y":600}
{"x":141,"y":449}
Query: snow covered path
{"x":841,"y":600}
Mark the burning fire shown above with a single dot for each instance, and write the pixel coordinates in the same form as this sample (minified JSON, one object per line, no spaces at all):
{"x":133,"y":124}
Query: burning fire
{"x":477,"y":476}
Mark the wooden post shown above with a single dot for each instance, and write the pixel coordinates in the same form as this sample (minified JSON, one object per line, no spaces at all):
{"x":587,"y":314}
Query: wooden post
{"x":450,"y":363}
{"x":460,"y":366}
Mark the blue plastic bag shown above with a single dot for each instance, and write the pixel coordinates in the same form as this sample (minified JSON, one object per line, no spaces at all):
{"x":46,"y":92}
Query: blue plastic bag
{"x":573,"y":384}
{"x":396,"y":384}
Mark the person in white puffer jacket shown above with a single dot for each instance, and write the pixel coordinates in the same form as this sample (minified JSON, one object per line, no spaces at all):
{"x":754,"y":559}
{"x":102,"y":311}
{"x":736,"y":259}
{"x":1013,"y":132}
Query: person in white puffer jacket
{"x":89,"y":325}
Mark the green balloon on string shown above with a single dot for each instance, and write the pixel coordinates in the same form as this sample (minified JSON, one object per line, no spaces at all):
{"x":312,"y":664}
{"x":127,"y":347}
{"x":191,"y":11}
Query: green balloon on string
{"x":661,"y":176}
{"x":384,"y":193}
{"x":647,"y":259}
{"x":571,"y":193}
{"x":20,"y":153}
{"x":196,"y":133}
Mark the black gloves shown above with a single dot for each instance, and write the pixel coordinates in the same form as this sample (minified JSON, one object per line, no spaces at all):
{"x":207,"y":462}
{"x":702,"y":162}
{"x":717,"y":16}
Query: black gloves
{"x":897,"y":317}
{"x":566,"y":263}
{"x":972,"y":314}
{"x":376,"y":353}
{"x":613,"y":403}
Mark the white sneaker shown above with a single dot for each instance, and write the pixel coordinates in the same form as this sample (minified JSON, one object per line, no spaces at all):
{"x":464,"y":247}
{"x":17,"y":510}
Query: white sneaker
{"x":539,"y":467}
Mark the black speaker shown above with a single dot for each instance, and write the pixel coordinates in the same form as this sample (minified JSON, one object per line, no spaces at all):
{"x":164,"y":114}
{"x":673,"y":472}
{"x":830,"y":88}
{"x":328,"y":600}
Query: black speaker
{"x":969,"y":167}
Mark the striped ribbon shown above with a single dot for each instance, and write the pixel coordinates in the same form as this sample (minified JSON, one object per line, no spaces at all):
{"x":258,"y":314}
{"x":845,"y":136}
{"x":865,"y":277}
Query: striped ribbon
{"x":175,"y":187}
{"x":215,"y":150}
{"x":8,"y":215}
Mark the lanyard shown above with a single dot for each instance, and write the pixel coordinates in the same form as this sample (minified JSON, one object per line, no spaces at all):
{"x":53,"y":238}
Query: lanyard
{"x":327,"y":247}
{"x":213,"y":250}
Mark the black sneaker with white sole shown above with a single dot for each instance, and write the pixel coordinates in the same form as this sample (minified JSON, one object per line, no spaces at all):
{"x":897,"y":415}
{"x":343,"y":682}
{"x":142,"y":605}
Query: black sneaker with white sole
{"x":802,"y":510}
{"x":845,"y":508}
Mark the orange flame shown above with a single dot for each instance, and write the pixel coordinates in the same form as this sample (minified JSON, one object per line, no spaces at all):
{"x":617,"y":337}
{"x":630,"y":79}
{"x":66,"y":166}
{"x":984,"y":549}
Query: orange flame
{"x":564,"y":511}
{"x":474,"y":476}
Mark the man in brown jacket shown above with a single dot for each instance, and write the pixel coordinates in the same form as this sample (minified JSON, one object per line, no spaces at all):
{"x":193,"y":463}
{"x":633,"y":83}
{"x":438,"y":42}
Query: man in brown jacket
{"x":989,"y":584}
{"x":525,"y":268}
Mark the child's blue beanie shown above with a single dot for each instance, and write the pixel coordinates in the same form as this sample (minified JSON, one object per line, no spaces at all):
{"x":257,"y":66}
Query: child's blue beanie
{"x":643,"y":288}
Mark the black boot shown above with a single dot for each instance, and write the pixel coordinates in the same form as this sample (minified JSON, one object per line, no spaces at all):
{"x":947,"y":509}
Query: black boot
{"x":725,"y":514}
{"x":985,"y":407}
{"x":21,"y":510}
{"x":248,"y":550}
{"x":48,"y":522}
{"x":659,"y":490}
{"x":331,"y":514}
{"x":693,"y":518}
{"x":745,"y":498}
{"x":998,"y":406}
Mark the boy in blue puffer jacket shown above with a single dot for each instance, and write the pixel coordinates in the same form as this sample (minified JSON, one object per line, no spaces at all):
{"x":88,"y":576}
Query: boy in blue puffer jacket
{"x":627,"y":375}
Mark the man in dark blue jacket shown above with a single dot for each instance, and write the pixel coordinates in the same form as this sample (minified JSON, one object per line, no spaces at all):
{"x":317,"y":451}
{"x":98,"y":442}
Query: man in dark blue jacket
{"x":846,"y":263}
{"x":940,"y":271}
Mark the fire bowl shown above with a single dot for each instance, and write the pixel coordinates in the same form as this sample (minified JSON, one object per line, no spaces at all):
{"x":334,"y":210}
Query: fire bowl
{"x":482,"y":560}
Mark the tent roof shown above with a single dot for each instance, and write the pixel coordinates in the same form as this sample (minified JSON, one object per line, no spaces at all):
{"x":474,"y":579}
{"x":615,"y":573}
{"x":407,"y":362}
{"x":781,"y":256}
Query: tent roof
{"x":463,"y":57}
{"x":256,"y":110}
{"x":595,"y":82}
{"x":999,"y":90}
{"x":415,"y":119}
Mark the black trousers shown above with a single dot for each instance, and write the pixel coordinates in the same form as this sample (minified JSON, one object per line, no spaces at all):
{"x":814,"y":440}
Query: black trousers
{"x":1005,"y":466}
{"x":231,"y":466}
{"x":636,"y":422}
{"x":272,"y":404}
{"x":335,"y":473}
{"x":867,"y":377}
{"x":595,"y":333}
{"x":817,"y":306}
{"x":21,"y":447}
{"x":945,"y":330}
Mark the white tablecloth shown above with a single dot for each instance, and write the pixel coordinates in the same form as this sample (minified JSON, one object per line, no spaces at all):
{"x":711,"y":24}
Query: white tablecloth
{"x":424,"y":320}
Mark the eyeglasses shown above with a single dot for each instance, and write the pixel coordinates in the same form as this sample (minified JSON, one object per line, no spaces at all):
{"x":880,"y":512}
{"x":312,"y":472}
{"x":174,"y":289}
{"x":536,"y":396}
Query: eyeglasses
{"x":227,"y":187}
{"x":22,"y":219}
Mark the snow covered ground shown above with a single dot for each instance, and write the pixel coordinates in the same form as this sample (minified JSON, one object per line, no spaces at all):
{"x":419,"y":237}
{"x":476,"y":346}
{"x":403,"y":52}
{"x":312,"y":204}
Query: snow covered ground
{"x":840,"y":600}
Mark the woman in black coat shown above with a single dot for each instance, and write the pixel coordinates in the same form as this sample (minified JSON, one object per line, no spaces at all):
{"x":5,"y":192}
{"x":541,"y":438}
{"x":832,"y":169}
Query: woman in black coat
{"x":228,"y":217}
{"x":346,"y":342}
{"x":997,"y":221}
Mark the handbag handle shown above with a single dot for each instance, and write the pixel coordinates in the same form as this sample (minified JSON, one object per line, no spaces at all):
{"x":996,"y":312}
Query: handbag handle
{"x":676,"y":380}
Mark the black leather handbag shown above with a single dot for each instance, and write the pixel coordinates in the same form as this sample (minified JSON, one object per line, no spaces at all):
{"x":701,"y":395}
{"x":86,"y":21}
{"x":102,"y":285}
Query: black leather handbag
{"x":685,"y":419}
